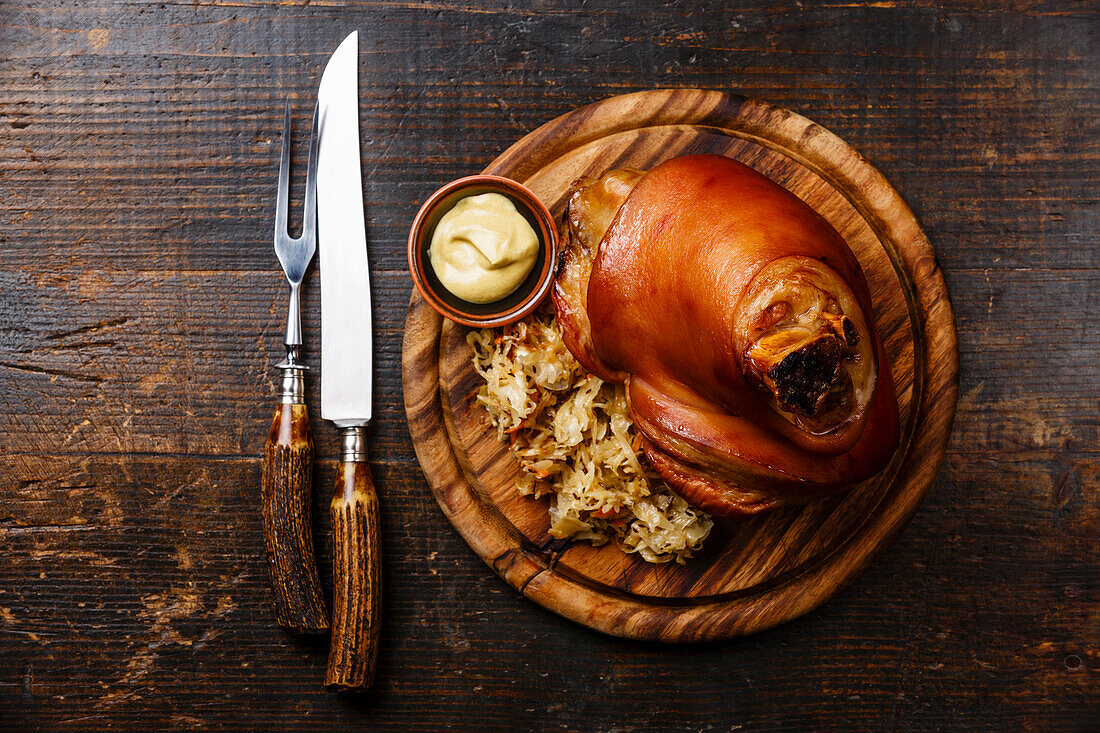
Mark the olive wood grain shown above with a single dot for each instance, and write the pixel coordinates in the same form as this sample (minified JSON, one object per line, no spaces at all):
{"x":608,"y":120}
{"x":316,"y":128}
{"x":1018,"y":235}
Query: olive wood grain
{"x":285,"y":501}
{"x":754,"y":574}
{"x":356,"y":579}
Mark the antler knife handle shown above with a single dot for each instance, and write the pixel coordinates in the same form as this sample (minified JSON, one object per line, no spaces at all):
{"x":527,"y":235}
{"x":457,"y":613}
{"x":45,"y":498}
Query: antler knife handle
{"x":356,"y":570}
{"x":287,"y":515}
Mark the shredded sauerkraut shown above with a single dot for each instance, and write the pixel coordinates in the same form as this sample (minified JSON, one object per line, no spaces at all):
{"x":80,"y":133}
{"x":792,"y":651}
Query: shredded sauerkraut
{"x":574,"y":439}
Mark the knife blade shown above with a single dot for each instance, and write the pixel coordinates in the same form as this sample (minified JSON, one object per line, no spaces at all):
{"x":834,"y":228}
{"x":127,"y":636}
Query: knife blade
{"x":346,"y":354}
{"x":347,"y":373}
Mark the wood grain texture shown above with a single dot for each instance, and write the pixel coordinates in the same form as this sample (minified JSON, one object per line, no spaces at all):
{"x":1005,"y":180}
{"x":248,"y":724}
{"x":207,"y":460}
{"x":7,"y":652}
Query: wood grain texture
{"x":757,"y":572}
{"x":286,"y":504}
{"x":141,"y":308}
{"x":356,"y":580}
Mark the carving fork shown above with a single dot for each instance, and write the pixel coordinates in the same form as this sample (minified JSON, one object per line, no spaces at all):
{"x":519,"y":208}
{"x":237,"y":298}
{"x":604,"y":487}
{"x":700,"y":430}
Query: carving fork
{"x":285,"y":496}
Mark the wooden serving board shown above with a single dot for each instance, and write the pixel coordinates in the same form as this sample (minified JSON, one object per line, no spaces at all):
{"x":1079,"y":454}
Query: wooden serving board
{"x":759,"y":572}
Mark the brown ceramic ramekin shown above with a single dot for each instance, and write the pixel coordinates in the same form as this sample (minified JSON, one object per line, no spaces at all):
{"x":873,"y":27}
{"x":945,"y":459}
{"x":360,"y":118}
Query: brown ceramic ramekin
{"x":521,"y":301}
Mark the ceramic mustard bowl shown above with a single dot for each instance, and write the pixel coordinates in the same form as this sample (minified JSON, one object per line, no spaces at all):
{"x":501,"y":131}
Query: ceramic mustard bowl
{"x":531,"y":291}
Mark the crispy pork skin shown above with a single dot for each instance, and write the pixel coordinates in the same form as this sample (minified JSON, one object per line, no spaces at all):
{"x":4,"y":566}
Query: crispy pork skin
{"x":740,"y":322}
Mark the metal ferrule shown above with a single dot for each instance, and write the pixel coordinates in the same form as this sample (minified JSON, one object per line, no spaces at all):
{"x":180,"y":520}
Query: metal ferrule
{"x":353,"y":442}
{"x":292,"y":386}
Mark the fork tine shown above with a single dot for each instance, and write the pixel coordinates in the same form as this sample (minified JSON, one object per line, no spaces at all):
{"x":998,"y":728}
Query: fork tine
{"x":284,"y":179}
{"x":309,"y":218}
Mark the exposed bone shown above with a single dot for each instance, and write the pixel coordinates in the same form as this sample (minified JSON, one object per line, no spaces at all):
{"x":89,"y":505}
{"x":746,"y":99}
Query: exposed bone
{"x":803,"y":368}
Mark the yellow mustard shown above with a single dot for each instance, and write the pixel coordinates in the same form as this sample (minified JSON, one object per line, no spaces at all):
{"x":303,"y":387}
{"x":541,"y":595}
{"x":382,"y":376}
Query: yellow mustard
{"x":483,"y":248}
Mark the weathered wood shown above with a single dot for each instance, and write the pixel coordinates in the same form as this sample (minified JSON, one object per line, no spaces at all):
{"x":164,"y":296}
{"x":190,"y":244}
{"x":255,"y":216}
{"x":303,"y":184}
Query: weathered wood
{"x":138,"y":157}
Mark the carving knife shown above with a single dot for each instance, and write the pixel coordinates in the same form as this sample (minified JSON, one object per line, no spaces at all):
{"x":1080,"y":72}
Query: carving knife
{"x":347,"y":364}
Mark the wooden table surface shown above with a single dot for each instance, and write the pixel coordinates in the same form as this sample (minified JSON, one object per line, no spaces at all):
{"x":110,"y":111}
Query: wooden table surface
{"x":141,"y":309}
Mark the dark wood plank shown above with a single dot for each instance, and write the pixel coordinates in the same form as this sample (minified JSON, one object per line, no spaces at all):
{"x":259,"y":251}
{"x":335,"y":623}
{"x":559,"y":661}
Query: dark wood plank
{"x":138,"y":148}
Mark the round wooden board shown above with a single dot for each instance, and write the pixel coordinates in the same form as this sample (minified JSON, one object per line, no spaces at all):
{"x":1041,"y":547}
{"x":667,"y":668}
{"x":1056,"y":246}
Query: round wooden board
{"x":762,"y":571}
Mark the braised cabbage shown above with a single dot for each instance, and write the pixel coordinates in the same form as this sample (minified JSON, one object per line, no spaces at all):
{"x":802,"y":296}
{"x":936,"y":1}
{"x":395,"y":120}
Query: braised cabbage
{"x":572,"y":435}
